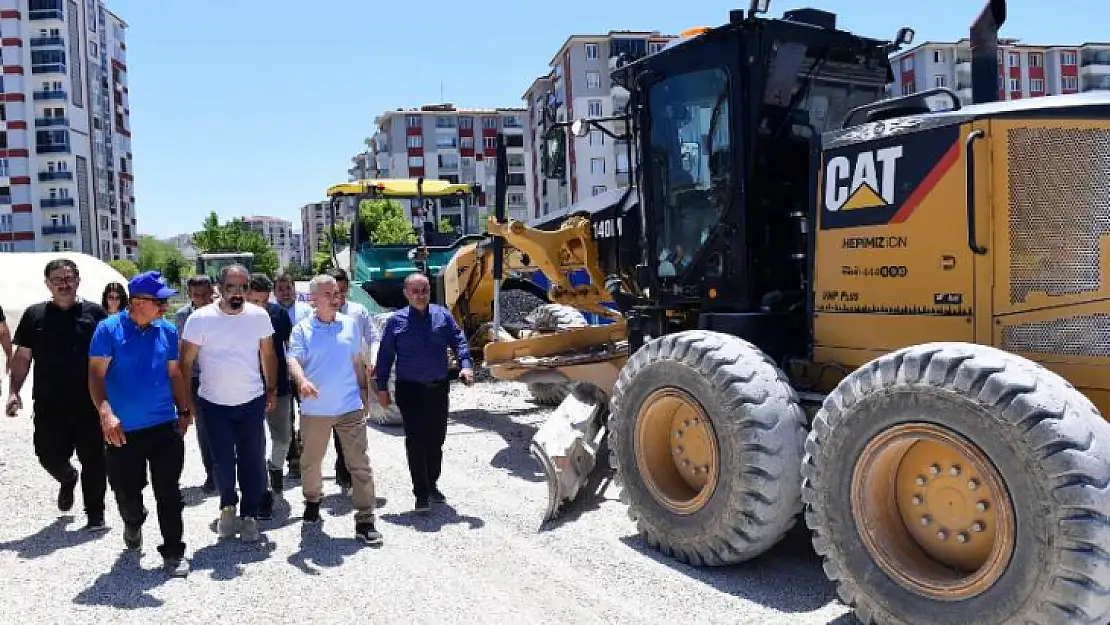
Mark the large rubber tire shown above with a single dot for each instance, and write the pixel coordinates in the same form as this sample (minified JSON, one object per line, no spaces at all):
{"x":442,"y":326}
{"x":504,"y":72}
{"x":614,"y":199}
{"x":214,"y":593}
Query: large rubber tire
{"x":760,"y":432}
{"x":553,"y":318}
{"x":1045,"y":440}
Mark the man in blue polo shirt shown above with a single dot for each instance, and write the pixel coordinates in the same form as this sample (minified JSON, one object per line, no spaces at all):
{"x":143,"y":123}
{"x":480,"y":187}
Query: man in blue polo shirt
{"x":142,"y":399}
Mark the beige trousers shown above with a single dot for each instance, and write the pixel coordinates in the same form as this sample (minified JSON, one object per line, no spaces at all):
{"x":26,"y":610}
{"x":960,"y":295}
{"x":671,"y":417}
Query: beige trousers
{"x":351,"y":429}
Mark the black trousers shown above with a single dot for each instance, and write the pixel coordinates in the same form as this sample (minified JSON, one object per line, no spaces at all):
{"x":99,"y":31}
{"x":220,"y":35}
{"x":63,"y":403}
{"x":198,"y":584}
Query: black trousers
{"x":161,"y":449}
{"x":62,"y":428}
{"x":424,"y":409}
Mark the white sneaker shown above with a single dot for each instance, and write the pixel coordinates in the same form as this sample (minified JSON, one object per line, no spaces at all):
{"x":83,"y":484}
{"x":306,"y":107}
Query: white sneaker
{"x":228,"y":525}
{"x":249,"y":532}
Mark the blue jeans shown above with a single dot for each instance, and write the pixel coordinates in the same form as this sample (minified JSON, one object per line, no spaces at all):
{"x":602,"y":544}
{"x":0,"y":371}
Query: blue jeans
{"x":238,"y":441}
{"x":202,"y":435}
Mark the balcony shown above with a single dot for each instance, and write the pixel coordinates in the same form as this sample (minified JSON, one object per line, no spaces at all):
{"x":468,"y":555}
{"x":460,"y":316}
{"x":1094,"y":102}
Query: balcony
{"x":47,"y":14}
{"x":5,"y":199}
{"x":47,"y":122}
{"x":56,"y":202}
{"x":49,"y":68}
{"x":52,"y":148}
{"x":59,"y":229}
{"x":54,"y":94}
{"x":38,"y":42}
{"x":47,"y":176}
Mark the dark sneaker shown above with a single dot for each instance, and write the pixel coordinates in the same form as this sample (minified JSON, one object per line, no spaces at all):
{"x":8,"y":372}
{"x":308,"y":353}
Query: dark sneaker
{"x":438,"y":497}
{"x":311,"y":512}
{"x":176,"y":567}
{"x":65,"y":495}
{"x":266,"y":510}
{"x":367,"y":534}
{"x":95,"y":523}
{"x":133,"y":537}
{"x":422,"y":504}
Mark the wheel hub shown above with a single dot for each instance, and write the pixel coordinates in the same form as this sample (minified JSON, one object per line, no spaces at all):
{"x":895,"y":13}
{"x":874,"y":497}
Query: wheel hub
{"x":676,"y":450}
{"x":933,"y":512}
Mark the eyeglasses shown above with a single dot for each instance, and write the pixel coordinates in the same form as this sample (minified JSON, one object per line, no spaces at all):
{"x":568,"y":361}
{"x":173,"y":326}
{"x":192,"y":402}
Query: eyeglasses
{"x":60,"y":282}
{"x":157,"y":301}
{"x":113,"y":296}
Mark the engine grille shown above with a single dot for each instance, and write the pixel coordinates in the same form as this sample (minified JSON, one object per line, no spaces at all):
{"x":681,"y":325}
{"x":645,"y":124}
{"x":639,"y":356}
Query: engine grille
{"x":1059,"y":208}
{"x":1073,"y":336}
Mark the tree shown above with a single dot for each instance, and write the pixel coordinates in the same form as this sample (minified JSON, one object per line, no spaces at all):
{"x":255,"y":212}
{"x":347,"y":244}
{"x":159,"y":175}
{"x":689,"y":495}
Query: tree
{"x":125,"y":267}
{"x":386,"y":222}
{"x":445,"y":226}
{"x":235,"y":237}
{"x":163,"y":257}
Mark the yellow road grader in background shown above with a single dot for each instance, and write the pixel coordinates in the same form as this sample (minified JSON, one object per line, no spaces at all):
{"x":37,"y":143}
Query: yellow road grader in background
{"x":887,"y":317}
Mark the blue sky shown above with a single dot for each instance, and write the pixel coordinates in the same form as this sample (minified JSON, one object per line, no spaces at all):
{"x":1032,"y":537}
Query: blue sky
{"x":252,"y":107}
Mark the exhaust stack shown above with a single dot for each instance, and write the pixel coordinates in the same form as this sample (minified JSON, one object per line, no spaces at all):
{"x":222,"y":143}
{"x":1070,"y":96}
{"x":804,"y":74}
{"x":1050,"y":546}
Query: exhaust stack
{"x":984,"y":52}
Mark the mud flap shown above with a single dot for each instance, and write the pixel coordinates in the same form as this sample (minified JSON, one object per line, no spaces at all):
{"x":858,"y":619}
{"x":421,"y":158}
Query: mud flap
{"x":566,"y":445}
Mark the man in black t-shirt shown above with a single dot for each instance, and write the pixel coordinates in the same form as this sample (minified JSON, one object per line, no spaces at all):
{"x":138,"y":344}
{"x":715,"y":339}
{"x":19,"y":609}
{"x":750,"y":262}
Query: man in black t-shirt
{"x":55,"y":335}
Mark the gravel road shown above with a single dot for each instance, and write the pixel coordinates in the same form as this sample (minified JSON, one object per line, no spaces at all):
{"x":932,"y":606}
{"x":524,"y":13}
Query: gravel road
{"x":480,"y":559}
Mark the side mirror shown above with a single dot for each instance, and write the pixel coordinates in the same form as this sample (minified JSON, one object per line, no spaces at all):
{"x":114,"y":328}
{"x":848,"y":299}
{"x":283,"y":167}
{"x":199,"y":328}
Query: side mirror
{"x":555,"y":153}
{"x":904,"y":36}
{"x":759,"y":6}
{"x":580,"y":128}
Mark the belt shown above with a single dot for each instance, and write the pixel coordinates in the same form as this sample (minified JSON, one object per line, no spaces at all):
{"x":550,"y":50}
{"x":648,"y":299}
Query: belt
{"x":422,"y":383}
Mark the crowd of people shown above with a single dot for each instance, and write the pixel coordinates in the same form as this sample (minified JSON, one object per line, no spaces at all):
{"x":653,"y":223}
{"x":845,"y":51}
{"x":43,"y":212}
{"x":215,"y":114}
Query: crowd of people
{"x":120,"y":386}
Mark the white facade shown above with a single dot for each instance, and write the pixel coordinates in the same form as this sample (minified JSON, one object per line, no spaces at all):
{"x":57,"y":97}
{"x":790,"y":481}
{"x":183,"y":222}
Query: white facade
{"x":279,"y":234}
{"x":1024,"y":71}
{"x":578,"y":86}
{"x":66,"y":179}
{"x":443,"y":142}
{"x":314,"y":223}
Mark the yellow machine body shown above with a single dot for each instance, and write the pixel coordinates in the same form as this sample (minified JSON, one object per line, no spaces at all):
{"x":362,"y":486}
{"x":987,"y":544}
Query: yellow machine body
{"x":901,"y":260}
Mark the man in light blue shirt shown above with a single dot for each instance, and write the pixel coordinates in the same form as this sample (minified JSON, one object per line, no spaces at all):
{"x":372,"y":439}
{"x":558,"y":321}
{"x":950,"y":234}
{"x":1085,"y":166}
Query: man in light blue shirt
{"x":325,"y":362}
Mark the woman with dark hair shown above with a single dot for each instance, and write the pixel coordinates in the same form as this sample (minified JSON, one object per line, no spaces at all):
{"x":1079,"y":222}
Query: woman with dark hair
{"x":114,"y":298}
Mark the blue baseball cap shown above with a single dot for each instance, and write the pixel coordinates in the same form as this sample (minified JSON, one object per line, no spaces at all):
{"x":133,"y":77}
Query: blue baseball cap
{"x":150,"y":284}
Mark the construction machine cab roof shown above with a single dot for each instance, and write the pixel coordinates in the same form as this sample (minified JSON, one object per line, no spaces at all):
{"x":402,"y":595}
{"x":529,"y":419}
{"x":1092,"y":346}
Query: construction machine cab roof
{"x":402,"y":188}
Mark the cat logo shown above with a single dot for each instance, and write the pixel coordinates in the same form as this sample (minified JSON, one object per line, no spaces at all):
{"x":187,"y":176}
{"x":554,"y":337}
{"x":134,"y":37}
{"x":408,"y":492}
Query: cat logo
{"x":869,"y":182}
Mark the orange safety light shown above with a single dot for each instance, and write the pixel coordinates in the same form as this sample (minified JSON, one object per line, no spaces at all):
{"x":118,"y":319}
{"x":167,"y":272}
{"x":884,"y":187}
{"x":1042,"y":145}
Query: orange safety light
{"x":693,"y":32}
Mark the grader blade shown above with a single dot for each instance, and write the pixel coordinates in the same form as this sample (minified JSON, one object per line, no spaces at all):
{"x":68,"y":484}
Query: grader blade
{"x":566,"y":446}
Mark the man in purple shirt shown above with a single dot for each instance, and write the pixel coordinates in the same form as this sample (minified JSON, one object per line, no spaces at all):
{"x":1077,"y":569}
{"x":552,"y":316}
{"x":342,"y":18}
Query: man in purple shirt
{"x":417,"y":338}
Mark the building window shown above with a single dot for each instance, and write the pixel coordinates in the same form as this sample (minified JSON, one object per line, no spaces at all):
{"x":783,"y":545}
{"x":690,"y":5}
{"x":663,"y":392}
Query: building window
{"x":1070,"y":83}
{"x":1015,"y":85}
{"x":940,"y":80}
{"x":416,"y":161}
{"x":938,"y":56}
{"x":1015,"y":59}
{"x":907,"y":64}
{"x":412,"y":121}
{"x":490,"y":143}
{"x":597,"y":137}
{"x":656,"y":46}
{"x":907,"y":88}
{"x":466,"y":122}
{"x":597,"y":166}
{"x":489,"y":122}
{"x":1067,"y":58}
{"x":591,"y":51}
{"x":1036,"y":85}
{"x":593,"y":80}
{"x":4,"y":171}
{"x":598,"y":189}
{"x":1036,"y":59}
{"x":466,"y":142}
{"x":414,"y":141}
{"x":594,"y":108}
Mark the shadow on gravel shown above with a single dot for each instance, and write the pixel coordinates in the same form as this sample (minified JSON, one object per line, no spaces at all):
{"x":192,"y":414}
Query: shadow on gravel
{"x":788,"y":578}
{"x":321,"y":550}
{"x":391,"y":430}
{"x":225,"y":559}
{"x":50,"y":539}
{"x":515,"y":459}
{"x":125,"y":585}
{"x":434,"y":520}
{"x":195,"y":495}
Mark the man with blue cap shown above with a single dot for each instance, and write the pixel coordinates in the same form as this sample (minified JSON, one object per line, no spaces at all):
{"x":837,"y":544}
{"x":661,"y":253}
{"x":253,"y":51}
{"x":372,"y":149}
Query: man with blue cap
{"x":142,"y":399}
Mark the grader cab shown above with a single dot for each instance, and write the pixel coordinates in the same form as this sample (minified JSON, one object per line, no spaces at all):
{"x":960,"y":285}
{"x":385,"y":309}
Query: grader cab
{"x":889,"y":317}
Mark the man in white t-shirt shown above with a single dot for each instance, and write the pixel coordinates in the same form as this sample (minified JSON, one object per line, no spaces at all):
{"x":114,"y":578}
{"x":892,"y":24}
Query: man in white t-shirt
{"x":233,"y":341}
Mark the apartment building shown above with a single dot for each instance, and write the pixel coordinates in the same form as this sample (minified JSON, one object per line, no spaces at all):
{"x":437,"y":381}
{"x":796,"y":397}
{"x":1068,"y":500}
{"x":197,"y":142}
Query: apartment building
{"x":314,"y":224}
{"x":279,"y":234}
{"x":440,"y":141}
{"x":578,"y":85}
{"x":66,"y":185}
{"x":1024,"y":70}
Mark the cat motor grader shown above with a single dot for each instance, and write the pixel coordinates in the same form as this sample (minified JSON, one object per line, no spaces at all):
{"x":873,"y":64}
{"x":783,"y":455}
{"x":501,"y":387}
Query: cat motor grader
{"x":887,"y":316}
